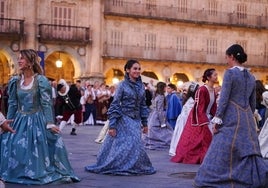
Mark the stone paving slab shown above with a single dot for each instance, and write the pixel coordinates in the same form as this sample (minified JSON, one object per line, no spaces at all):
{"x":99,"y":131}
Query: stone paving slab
{"x":83,"y":151}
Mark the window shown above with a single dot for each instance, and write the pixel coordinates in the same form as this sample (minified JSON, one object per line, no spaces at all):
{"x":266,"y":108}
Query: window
{"x":117,"y":38}
{"x":212,"y":46}
{"x":150,"y":4}
{"x":2,"y":11}
{"x":212,"y":7}
{"x":182,"y":6}
{"x":181,"y":45}
{"x":241,"y":12}
{"x":266,"y":13}
{"x":150,"y":41}
{"x":63,"y":14}
{"x":266,"y":50}
{"x":118,"y":3}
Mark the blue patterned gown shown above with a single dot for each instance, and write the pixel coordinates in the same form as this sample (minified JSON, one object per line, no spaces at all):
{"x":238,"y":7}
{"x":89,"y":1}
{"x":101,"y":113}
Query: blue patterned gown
{"x":34,"y":155}
{"x":234,"y":158}
{"x":124,"y":154}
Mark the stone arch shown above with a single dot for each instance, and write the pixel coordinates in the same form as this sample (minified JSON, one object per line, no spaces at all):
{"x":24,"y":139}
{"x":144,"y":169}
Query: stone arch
{"x":179,"y":78}
{"x":150,"y":74}
{"x":8,"y":66}
{"x":77,"y":61}
{"x":112,"y":74}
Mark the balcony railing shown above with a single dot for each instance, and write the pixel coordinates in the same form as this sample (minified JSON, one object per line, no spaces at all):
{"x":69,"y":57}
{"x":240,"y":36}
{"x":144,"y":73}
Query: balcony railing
{"x":64,"y":34}
{"x":171,"y":54}
{"x":13,"y":28}
{"x":130,"y":9}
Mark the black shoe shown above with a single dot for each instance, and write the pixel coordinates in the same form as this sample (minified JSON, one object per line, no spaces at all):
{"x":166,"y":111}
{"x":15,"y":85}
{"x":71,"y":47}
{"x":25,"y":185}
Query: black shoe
{"x":73,"y":132}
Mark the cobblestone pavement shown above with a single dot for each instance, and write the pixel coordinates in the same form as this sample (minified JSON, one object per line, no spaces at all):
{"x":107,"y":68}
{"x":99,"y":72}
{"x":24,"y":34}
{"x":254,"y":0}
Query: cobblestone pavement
{"x":83,"y":151}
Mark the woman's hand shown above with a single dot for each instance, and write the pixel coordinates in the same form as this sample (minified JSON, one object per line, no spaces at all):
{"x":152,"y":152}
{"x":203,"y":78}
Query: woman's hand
{"x":215,"y":128}
{"x":112,"y":132}
{"x":145,"y":130}
{"x":6,"y":128}
{"x":55,"y":129}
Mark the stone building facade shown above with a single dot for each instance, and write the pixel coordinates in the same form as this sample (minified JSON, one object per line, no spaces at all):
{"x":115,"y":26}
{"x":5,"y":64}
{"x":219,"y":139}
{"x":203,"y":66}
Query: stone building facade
{"x":174,"y":40}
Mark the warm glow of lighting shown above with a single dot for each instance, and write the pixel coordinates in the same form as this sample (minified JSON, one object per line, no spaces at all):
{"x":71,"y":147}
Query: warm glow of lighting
{"x":179,"y":83}
{"x":115,"y":80}
{"x":266,"y":86}
{"x":59,"y":63}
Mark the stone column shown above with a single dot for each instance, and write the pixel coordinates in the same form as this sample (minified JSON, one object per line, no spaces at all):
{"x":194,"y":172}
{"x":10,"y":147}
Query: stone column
{"x":95,"y":69}
{"x":30,"y":15}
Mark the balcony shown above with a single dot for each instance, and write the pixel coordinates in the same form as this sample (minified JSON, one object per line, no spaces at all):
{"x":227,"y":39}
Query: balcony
{"x":171,"y":13}
{"x":11,"y":28}
{"x":64,"y":34}
{"x":174,"y":55}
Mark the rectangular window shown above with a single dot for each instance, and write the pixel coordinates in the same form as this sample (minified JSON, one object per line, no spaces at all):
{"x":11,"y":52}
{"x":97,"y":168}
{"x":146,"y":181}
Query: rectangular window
{"x":63,"y":14}
{"x":2,"y":11}
{"x":118,"y":3}
{"x":266,"y":50}
{"x":266,"y":13}
{"x":150,"y":4}
{"x":182,"y":6}
{"x":181,"y":45}
{"x":212,"y":46}
{"x":212,"y":7}
{"x":117,"y":38}
{"x":2,"y":8}
{"x":150,"y":41}
{"x":241,"y":12}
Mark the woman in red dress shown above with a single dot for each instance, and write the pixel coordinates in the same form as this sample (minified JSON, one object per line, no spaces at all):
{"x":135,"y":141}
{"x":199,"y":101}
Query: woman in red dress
{"x":197,"y":134}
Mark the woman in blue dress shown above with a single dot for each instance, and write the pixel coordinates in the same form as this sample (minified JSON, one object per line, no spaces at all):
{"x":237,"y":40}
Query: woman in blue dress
{"x":122,"y":152}
{"x":234,"y":158}
{"x":35,"y":154}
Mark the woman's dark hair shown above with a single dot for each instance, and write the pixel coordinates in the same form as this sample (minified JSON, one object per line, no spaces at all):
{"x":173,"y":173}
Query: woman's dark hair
{"x":207,"y":74}
{"x":172,"y":86}
{"x":130,"y":63}
{"x":160,"y":88}
{"x":238,"y":53}
{"x":259,"y":90}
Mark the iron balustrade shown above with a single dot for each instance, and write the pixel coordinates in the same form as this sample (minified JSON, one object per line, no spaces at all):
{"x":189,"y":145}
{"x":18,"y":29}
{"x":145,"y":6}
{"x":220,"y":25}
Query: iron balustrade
{"x":184,"y":14}
{"x":12,"y":28}
{"x":64,"y":33}
{"x":176,"y":55}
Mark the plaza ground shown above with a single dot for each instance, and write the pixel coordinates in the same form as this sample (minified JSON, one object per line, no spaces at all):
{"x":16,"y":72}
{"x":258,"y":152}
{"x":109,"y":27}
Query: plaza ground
{"x":83,"y":151}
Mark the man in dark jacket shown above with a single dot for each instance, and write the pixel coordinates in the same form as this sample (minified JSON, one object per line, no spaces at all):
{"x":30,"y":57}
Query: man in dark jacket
{"x":68,"y":104}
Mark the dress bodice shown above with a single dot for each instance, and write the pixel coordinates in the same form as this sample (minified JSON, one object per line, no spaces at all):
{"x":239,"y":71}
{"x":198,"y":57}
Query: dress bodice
{"x":28,"y":99}
{"x":37,"y":99}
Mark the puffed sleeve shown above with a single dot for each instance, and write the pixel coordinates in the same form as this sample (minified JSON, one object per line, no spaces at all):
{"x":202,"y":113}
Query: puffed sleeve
{"x":46,"y":102}
{"x":12,"y":98}
{"x":252,"y":100}
{"x":225,"y":93}
{"x":199,"y":116}
{"x":115,"y":111}
{"x":144,"y":110}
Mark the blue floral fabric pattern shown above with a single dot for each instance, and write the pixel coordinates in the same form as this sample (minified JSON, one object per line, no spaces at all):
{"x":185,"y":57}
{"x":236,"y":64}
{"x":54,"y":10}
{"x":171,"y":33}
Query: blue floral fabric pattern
{"x":234,"y":158}
{"x":34,"y":155}
{"x":124,"y":154}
